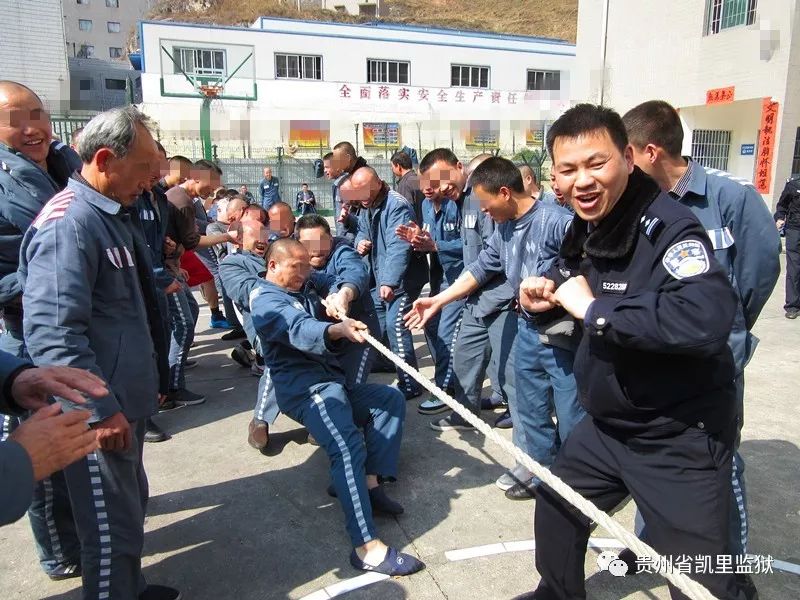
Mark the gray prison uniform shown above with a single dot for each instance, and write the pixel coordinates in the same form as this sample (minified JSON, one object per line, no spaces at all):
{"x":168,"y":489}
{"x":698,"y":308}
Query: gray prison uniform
{"x":488,"y":325}
{"x":89,"y":302}
{"x":16,"y":469}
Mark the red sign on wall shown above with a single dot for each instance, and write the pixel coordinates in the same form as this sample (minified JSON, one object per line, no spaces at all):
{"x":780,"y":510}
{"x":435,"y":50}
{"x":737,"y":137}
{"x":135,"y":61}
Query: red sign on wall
{"x":720,"y":95}
{"x":766,"y":145}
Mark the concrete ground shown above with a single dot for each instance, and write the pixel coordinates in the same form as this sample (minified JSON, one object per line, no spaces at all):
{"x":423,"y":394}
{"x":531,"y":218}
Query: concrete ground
{"x":227,"y":522}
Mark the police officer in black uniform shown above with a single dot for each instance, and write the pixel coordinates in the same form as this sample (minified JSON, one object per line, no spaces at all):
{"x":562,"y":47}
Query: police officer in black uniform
{"x":654,"y":372}
{"x":787,"y":217}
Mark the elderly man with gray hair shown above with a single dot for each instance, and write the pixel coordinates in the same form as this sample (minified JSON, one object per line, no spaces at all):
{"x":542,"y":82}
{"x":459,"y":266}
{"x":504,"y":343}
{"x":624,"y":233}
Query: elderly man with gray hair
{"x":89,"y":301}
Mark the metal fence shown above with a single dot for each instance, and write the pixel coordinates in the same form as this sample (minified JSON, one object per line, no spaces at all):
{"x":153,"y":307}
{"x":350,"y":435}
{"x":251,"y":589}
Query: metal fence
{"x":64,"y":126}
{"x":292,"y":174}
{"x":243,"y":164}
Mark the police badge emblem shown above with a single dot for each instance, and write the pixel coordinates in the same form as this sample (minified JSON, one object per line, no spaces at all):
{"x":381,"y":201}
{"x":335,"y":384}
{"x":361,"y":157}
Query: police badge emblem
{"x":686,"y":259}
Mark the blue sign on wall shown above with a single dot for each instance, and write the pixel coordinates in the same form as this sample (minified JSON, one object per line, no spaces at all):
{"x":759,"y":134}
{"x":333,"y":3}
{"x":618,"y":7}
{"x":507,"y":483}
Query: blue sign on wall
{"x":748,"y":149}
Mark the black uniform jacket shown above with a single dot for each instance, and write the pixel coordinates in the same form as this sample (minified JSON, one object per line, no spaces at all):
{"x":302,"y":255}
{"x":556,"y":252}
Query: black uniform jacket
{"x":653,"y":359}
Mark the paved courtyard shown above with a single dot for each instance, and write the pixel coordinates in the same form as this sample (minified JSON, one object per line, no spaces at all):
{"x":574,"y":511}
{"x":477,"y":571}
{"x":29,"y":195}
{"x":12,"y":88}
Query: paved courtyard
{"x":227,"y":522}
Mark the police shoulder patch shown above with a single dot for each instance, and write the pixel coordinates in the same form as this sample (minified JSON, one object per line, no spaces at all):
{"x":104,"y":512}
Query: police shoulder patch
{"x":686,"y":259}
{"x":650,"y":226}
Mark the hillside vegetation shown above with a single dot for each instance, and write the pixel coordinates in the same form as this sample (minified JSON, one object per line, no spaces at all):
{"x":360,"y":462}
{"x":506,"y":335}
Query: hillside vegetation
{"x":544,"y":18}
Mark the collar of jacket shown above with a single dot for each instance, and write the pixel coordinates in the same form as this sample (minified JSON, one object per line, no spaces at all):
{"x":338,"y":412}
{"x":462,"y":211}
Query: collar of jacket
{"x":383,"y":194}
{"x":697,"y":181}
{"x":56,"y":164}
{"x":95,"y":198}
{"x":360,"y":162}
{"x":615,"y":235}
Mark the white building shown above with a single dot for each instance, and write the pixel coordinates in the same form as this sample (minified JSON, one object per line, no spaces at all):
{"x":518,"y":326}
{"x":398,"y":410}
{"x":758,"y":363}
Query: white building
{"x":717,"y":61}
{"x":100,"y":28}
{"x":306,"y":84}
{"x":32,"y":50}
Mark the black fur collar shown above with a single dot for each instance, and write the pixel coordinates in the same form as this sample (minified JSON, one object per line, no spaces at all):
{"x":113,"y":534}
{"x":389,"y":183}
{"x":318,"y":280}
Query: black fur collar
{"x":616,"y":234}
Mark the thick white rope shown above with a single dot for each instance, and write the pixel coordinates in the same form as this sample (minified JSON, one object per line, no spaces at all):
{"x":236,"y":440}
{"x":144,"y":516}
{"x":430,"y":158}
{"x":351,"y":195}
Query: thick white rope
{"x":688,"y":586}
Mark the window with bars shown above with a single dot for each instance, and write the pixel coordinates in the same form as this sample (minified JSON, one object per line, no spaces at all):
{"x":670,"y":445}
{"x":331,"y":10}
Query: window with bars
{"x":85,"y":24}
{"x":112,"y":3}
{"x":200,"y":61}
{"x":113,"y":27}
{"x":544,"y":80}
{"x":796,"y":155}
{"x":711,"y":148}
{"x":298,"y":66}
{"x":387,"y":71}
{"x":114,"y":52}
{"x":469,"y":76}
{"x":724,"y":14}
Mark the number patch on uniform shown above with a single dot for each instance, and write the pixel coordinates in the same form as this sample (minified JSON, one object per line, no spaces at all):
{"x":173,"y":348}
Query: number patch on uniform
{"x":686,"y":259}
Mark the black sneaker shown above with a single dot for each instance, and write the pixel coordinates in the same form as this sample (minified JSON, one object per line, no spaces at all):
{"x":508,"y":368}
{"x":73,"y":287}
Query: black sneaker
{"x":159,"y":592}
{"x":153,"y":433}
{"x":381,"y":503}
{"x":234,"y":334}
{"x":524,"y":490}
{"x":184,"y":398}
{"x":64,"y":571}
{"x":450,"y":422}
{"x":792,"y":313}
{"x":189,"y":364}
{"x":242,"y":356}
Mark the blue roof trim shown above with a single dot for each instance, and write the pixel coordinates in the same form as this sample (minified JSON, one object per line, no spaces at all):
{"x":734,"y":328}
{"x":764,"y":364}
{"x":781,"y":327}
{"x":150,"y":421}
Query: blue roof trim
{"x":354,"y":37}
{"x":426,"y":29}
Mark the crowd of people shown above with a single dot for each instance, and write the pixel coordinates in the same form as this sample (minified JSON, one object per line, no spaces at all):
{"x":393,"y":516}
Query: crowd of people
{"x":579,"y":304}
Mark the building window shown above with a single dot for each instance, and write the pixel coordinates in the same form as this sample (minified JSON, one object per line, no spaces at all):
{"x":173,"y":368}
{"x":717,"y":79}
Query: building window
{"x":711,"y":148}
{"x":387,"y":71}
{"x":85,"y":85}
{"x":83,"y":1}
{"x":469,"y":76}
{"x":368,"y":10}
{"x":200,"y":61}
{"x":113,"y":27}
{"x":796,"y":156}
{"x":85,"y":24}
{"x":115,"y":52}
{"x":112,"y":3}
{"x":544,"y":80}
{"x":115,"y":84}
{"x":86,"y":51}
{"x":297,"y":66}
{"x":724,"y":14}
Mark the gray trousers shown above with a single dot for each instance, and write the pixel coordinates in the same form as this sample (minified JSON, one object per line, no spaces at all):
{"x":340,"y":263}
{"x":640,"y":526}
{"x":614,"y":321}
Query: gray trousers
{"x":109,"y":494}
{"x":483,"y":341}
{"x":50,"y":513}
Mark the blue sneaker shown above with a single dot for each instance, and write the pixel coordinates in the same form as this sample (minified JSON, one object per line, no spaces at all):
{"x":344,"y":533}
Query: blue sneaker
{"x":493,"y":402}
{"x":220,"y":323}
{"x":396,"y":564}
{"x":504,"y":421}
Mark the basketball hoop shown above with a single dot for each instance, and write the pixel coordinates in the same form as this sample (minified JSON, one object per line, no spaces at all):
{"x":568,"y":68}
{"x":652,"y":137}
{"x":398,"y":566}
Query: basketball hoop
{"x":209,"y":90}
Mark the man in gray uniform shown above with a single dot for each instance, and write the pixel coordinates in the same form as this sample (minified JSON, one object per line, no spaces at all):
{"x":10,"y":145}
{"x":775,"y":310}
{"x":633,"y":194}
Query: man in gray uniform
{"x":88,"y":292}
{"x":32,"y":170}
